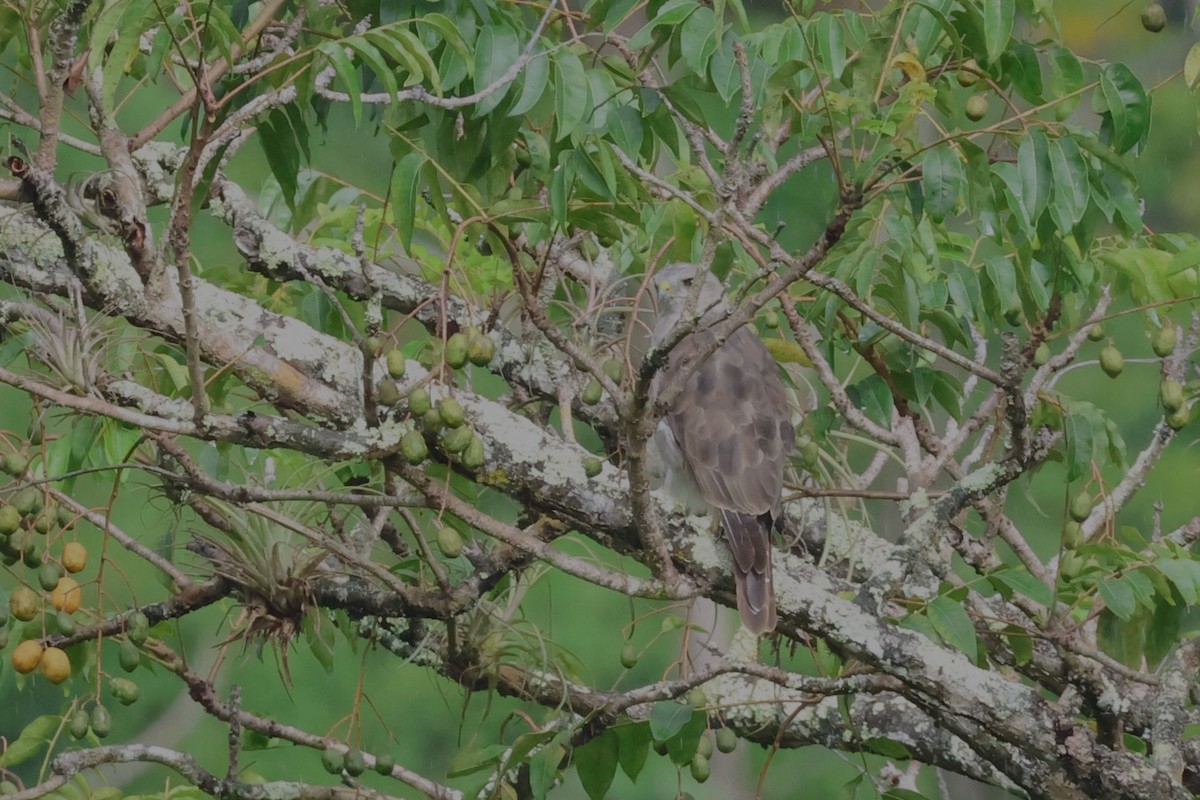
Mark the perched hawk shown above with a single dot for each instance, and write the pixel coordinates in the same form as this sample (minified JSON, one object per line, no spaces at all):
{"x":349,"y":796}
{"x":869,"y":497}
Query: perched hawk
{"x":724,"y":440}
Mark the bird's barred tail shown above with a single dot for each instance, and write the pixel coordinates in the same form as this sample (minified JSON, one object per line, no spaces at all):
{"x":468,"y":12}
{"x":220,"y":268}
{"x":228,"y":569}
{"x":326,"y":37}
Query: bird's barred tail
{"x":750,"y":541}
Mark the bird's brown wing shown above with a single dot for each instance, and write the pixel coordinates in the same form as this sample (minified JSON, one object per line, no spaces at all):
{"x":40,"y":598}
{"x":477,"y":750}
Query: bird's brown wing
{"x":733,"y":426}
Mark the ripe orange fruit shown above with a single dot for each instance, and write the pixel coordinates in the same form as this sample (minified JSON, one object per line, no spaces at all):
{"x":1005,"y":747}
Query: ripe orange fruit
{"x":26,"y":657}
{"x":67,"y":595}
{"x":54,"y":665}
{"x":74,"y":557}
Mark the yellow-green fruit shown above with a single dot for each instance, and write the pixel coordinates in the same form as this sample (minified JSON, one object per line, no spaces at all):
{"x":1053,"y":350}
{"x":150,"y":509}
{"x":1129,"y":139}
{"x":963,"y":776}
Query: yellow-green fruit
{"x":396,"y":364}
{"x":455,"y":440}
{"x":387,"y":393}
{"x":137,"y":628}
{"x":413,"y":447}
{"x":1171,"y":394}
{"x":385,"y":763}
{"x":696,"y":698}
{"x":1072,"y":535}
{"x":473,"y":456}
{"x":44,"y":521}
{"x":27,"y":655}
{"x":128,"y":656}
{"x":101,"y":721}
{"x":374,"y":345}
{"x":23,"y":603}
{"x":700,"y":768}
{"x":449,"y":542}
{"x":1041,"y":355}
{"x":10,"y":519}
{"x":79,"y":724}
{"x":1095,"y":333}
{"x":726,"y":740}
{"x":809,"y":454}
{"x":1081,"y":506}
{"x":32,"y":551}
{"x":977,"y":107}
{"x":355,"y":763}
{"x":124,"y":690}
{"x":15,"y":464}
{"x":592,"y":392}
{"x":64,"y":623}
{"x":54,"y":665}
{"x":48,"y":576}
{"x":452,"y":412}
{"x":704,"y":747}
{"x":457,"y":347}
{"x":592,"y":466}
{"x":1178,"y":418}
{"x":771,"y":319}
{"x":27,"y":501}
{"x":74,"y":557}
{"x":614,"y":369}
{"x":1163,"y":342}
{"x":968,"y":73}
{"x":333,"y":761}
{"x":432,"y":422}
{"x":480,"y":350}
{"x":629,"y":657}
{"x":1154,"y":18}
{"x":1111,"y":361}
{"x":65,"y":518}
{"x":419,"y":402}
{"x":67,"y":595}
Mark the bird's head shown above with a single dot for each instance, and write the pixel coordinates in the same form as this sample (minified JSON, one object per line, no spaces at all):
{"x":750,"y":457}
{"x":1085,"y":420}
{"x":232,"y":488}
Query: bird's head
{"x":673,"y":286}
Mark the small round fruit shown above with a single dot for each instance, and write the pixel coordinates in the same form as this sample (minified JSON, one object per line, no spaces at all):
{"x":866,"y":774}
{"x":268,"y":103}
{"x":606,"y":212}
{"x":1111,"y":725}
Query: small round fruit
{"x":66,"y":595}
{"x":455,"y":440}
{"x":44,"y":521}
{"x":431,"y":422}
{"x":704,"y":747}
{"x":1154,"y":18}
{"x":968,"y":73}
{"x":387,"y":393}
{"x":48,"y":575}
{"x":1179,"y":418}
{"x":65,"y":517}
{"x":10,"y":519}
{"x":660,"y":747}
{"x":629,"y":656}
{"x":65,"y":623}
{"x":1171,"y":394}
{"x":592,"y":466}
{"x":449,"y":542}
{"x":592,"y":392}
{"x":355,"y":763}
{"x":27,"y":656}
{"x":1095,"y":333}
{"x":23,"y":603}
{"x":1163,"y":342}
{"x":374,"y":345}
{"x":74,"y":557}
{"x":1041,"y":355}
{"x":78,"y":726}
{"x":771,"y":319}
{"x":101,"y":721}
{"x":124,"y":690}
{"x":452,"y":412}
{"x":696,"y":698}
{"x":473,"y":457}
{"x":457,"y":347}
{"x":137,"y":628}
{"x":614,"y":369}
{"x":1111,"y":361}
{"x":413,"y":447}
{"x":1072,"y":535}
{"x":27,"y":501}
{"x":129,"y":656}
{"x":32,"y":551}
{"x":1081,"y":506}
{"x":700,"y":768}
{"x":977,"y":107}
{"x":54,"y":665}
{"x":480,"y":350}
{"x":15,"y":464}
{"x":397,"y":364}
{"x":726,"y":740}
{"x":385,"y":763}
{"x":333,"y":761}
{"x":419,"y":402}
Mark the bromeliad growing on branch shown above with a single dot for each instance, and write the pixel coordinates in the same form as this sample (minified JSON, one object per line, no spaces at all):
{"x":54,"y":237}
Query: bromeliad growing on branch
{"x":330,"y":329}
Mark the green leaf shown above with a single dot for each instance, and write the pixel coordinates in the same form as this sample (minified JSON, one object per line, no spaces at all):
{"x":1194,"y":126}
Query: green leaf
{"x":1034,"y":170}
{"x":32,"y":739}
{"x":998,"y":19}
{"x":698,"y":39}
{"x":406,"y":178}
{"x":1191,"y":67}
{"x":1066,"y":78}
{"x":1118,"y":596}
{"x":1072,"y":189}
{"x":1185,"y":574}
{"x":1122,"y":640}
{"x":497,"y":49}
{"x":667,"y":718}
{"x":888,"y":748}
{"x":596,"y":764}
{"x":534,"y":78}
{"x":1021,"y":644}
{"x":634,"y":747}
{"x":572,"y":93}
{"x":347,"y":74}
{"x":474,"y":760}
{"x":1020,"y":580}
{"x":943,"y":180}
{"x":953,"y":624}
{"x":544,"y":769}
{"x":371,"y":56}
{"x":1128,"y":106}
{"x":1162,"y":636}
{"x":830,"y":44}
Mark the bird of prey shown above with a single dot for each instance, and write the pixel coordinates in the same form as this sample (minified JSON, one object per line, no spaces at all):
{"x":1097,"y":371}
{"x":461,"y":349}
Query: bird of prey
{"x":724,"y":440}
